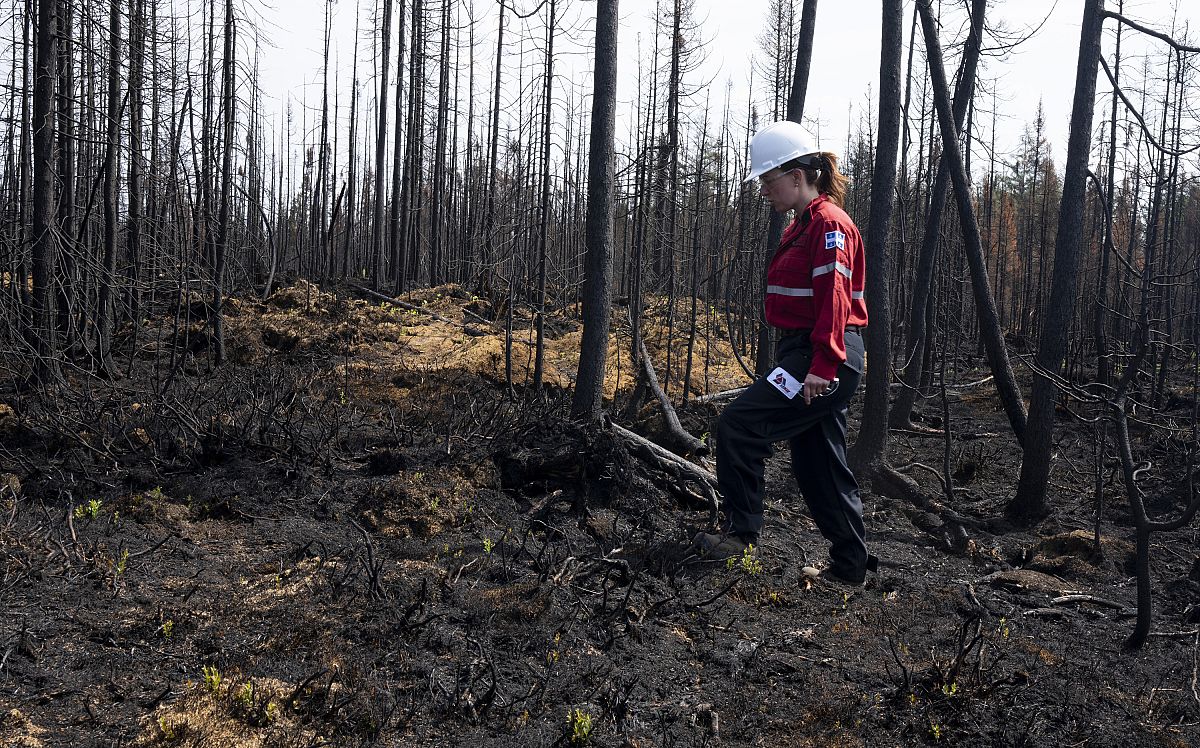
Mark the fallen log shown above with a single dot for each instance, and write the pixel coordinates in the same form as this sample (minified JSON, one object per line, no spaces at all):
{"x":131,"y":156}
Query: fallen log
{"x":468,"y":329}
{"x":687,"y":443}
{"x":672,"y":464}
{"x":716,"y":396}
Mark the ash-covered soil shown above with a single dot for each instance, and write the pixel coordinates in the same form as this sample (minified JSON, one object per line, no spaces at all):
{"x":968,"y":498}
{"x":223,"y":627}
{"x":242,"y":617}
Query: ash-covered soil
{"x":355,"y":534}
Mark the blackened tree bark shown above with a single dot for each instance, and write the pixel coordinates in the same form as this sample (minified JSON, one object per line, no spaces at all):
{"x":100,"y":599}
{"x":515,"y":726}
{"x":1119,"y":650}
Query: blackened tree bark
{"x":1029,"y":503}
{"x":222,"y":239}
{"x":380,"y":148}
{"x":598,"y":227}
{"x":539,"y":350}
{"x":104,"y":312}
{"x":135,"y":196}
{"x":795,"y":113}
{"x":985,"y":306}
{"x":45,"y":368}
{"x":871,"y":447}
{"x":68,"y":303}
{"x":901,"y":414}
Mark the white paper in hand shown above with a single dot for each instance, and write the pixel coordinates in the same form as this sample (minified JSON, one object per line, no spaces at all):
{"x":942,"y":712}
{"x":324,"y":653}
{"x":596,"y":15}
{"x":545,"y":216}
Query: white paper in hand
{"x":784,"y":382}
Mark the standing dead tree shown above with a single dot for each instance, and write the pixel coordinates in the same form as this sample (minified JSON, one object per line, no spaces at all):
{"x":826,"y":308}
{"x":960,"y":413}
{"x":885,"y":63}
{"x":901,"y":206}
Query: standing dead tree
{"x":1029,"y":503}
{"x":44,"y":243}
{"x":1131,"y":470}
{"x":597,"y":280}
{"x":871,"y":447}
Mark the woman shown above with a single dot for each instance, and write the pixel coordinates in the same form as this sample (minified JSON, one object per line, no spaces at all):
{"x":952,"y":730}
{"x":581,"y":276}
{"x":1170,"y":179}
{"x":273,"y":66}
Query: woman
{"x":815,"y":299}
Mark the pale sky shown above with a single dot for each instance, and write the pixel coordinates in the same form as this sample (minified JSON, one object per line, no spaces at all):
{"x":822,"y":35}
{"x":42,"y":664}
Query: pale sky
{"x":845,"y":56}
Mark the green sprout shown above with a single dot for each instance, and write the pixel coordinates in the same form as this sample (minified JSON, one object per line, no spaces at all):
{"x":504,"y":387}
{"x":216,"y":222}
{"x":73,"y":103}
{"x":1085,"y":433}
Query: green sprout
{"x":935,"y":730}
{"x":123,"y":561}
{"x":245,"y":696}
{"x":168,"y":628}
{"x":748,"y":563}
{"x":487,"y":546}
{"x":579,"y":727}
{"x":91,"y":510}
{"x":212,"y":677}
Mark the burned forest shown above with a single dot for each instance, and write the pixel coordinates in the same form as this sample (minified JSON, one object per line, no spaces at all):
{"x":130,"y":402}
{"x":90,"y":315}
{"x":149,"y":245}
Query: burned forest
{"x":384,"y":410}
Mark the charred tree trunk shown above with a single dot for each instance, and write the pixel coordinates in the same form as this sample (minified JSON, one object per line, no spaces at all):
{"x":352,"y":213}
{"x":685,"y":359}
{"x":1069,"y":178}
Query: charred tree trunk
{"x":104,"y":312}
{"x":598,"y":229}
{"x":539,"y":354}
{"x":45,"y":369}
{"x":377,"y":265}
{"x":871,"y":447}
{"x":1029,"y":503}
{"x":222,"y":239}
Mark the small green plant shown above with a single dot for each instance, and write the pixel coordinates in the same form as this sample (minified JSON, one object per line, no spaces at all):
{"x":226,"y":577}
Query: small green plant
{"x":167,"y":729}
{"x":155,"y":494}
{"x":272,"y":711}
{"x":168,"y":628}
{"x":245,"y":695}
{"x":122,"y":562}
{"x":748,"y":563}
{"x":1002,"y":628}
{"x":950,"y":689}
{"x":579,"y":727}
{"x":487,"y":546}
{"x":212,"y":678}
{"x":91,"y":510}
{"x":935,"y":730}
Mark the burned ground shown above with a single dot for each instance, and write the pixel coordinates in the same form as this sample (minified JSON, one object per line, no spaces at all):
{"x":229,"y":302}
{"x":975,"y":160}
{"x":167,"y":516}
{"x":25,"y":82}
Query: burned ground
{"x":355,"y":534}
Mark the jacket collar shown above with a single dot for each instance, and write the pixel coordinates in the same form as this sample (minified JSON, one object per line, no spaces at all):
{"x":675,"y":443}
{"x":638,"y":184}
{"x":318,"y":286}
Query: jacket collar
{"x":803,"y":218}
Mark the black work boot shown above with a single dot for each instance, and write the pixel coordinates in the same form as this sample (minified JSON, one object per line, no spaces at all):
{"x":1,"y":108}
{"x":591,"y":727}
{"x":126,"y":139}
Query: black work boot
{"x":721,"y":545}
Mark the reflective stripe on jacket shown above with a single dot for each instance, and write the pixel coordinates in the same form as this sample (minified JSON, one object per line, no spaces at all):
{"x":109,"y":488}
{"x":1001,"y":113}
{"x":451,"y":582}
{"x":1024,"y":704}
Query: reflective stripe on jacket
{"x":815,"y":281}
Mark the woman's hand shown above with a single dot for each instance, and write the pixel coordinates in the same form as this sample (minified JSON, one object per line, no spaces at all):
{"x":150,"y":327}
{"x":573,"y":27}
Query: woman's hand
{"x":814,"y":386}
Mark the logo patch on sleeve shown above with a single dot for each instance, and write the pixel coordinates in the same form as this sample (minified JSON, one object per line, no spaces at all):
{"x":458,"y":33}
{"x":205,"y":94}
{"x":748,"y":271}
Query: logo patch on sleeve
{"x":784,"y":382}
{"x":835,"y":240}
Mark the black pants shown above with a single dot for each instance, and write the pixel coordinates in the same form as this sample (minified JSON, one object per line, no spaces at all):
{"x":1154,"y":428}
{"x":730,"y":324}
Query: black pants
{"x":763,"y":415}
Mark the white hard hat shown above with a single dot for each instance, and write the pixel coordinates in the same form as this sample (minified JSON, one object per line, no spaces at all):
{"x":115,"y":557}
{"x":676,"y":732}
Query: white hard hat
{"x":776,"y":144}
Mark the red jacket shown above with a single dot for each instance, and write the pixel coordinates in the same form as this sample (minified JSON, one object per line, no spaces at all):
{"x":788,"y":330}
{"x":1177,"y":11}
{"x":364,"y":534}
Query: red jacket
{"x":815,"y":282}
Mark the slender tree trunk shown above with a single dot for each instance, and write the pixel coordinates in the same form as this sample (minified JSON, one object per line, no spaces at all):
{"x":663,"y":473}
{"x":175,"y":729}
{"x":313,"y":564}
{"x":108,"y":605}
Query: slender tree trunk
{"x":397,"y":237}
{"x":105,"y":313}
{"x":598,"y":228}
{"x":45,"y":368}
{"x":377,"y":264}
{"x":539,"y":355}
{"x":68,"y":298}
{"x":222,"y":239}
{"x":1029,"y":503}
{"x":352,"y":145}
{"x":871,"y":447}
{"x":133,"y":238}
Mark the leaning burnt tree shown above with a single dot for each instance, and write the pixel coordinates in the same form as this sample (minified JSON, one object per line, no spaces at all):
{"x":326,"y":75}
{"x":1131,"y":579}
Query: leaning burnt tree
{"x":985,"y":306}
{"x":916,"y":336}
